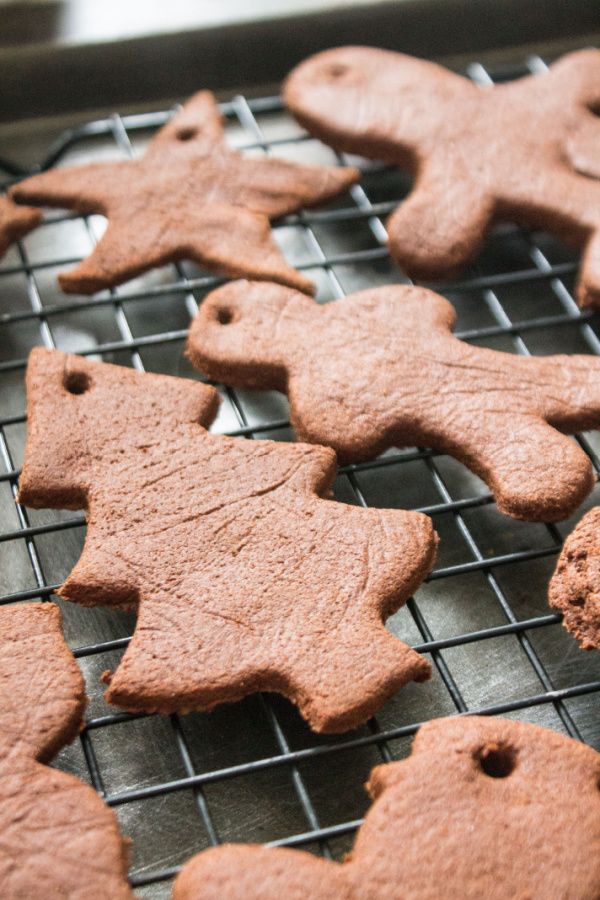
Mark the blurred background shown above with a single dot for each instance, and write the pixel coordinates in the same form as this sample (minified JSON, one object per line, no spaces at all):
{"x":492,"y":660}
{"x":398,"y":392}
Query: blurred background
{"x":65,"y":55}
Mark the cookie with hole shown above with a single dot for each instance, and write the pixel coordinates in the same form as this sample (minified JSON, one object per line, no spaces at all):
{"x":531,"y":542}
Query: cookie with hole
{"x":483,"y":807}
{"x":575,"y":585}
{"x":524,"y":151}
{"x":188,"y":197}
{"x":58,"y":837}
{"x":245,"y":575}
{"x":15,"y":222}
{"x":382,"y":368}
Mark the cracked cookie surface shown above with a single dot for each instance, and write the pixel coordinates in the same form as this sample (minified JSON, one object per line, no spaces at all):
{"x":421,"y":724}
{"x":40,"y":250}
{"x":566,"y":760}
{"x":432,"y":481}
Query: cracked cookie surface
{"x":382,"y":368}
{"x":244,"y":576}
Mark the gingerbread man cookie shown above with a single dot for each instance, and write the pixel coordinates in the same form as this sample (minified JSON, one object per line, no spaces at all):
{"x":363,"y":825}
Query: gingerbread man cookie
{"x":526,"y":151}
{"x":482,"y":808}
{"x":381,"y":368}
{"x":15,"y":222}
{"x":244,"y":577}
{"x":57,"y":837}
{"x":188,"y":197}
{"x":575,"y":585}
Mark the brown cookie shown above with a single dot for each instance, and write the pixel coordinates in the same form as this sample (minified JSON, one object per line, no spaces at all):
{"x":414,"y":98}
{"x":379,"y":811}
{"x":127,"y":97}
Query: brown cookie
{"x":188,"y":197}
{"x":15,"y":222}
{"x":483,"y":808}
{"x":381,"y":368}
{"x":247,"y":579}
{"x":57,"y":837}
{"x":575,"y":585}
{"x":526,"y":151}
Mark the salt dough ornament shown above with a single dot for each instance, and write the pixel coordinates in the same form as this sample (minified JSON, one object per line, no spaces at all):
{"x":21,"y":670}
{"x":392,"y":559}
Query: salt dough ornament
{"x":244,"y":576}
{"x":15,"y":222}
{"x":381,"y":368}
{"x":188,"y":197}
{"x":57,"y":837}
{"x":482,"y":808}
{"x":575,"y":585}
{"x":526,"y":151}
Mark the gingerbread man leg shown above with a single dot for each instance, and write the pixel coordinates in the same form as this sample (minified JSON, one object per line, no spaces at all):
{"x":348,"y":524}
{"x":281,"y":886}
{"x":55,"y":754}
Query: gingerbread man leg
{"x":528,"y":464}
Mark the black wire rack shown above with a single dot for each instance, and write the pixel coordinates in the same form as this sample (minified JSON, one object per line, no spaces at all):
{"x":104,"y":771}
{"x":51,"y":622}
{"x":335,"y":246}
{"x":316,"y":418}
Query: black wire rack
{"x":253,"y":771}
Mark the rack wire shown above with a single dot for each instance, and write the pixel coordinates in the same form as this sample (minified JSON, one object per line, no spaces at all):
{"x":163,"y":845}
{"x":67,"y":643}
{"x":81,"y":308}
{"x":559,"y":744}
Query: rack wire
{"x":253,"y":771}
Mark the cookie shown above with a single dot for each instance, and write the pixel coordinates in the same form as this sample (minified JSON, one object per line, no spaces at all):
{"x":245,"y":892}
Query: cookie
{"x":245,"y":576}
{"x":58,"y":838}
{"x":482,"y":808}
{"x":15,"y":222}
{"x":575,"y":585}
{"x":188,"y":197}
{"x":381,"y":368}
{"x":526,"y":151}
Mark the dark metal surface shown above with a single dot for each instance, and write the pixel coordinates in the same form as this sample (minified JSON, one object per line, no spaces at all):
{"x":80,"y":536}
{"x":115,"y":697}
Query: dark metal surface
{"x":42,"y":72}
{"x":253,"y":771}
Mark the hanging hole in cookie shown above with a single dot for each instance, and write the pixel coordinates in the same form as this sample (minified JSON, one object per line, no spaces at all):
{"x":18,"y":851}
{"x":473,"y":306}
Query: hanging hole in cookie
{"x":336,"y":70}
{"x":186,"y":133}
{"x":224,"y":316}
{"x":77,"y":382}
{"x":577,"y":601}
{"x":497,"y":761}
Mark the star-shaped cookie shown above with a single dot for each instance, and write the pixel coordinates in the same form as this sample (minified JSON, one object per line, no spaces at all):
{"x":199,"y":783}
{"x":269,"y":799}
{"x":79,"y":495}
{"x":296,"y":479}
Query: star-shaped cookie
{"x":57,"y":837}
{"x":382,"y":368}
{"x":482,"y":808}
{"x":526,"y":151}
{"x":15,"y":222}
{"x":575,"y":585}
{"x":244,"y":576}
{"x":188,"y":197}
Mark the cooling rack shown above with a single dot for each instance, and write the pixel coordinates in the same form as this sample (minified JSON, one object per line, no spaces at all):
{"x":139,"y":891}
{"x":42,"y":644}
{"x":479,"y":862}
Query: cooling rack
{"x":253,"y":771}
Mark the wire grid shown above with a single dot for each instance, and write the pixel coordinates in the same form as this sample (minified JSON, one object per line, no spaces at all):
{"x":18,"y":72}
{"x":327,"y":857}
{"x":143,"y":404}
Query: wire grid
{"x":563,"y":706}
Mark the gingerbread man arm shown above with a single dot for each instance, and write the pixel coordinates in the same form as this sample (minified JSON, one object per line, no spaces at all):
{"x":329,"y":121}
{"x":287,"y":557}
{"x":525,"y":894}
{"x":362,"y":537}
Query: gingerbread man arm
{"x":442,"y":224}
